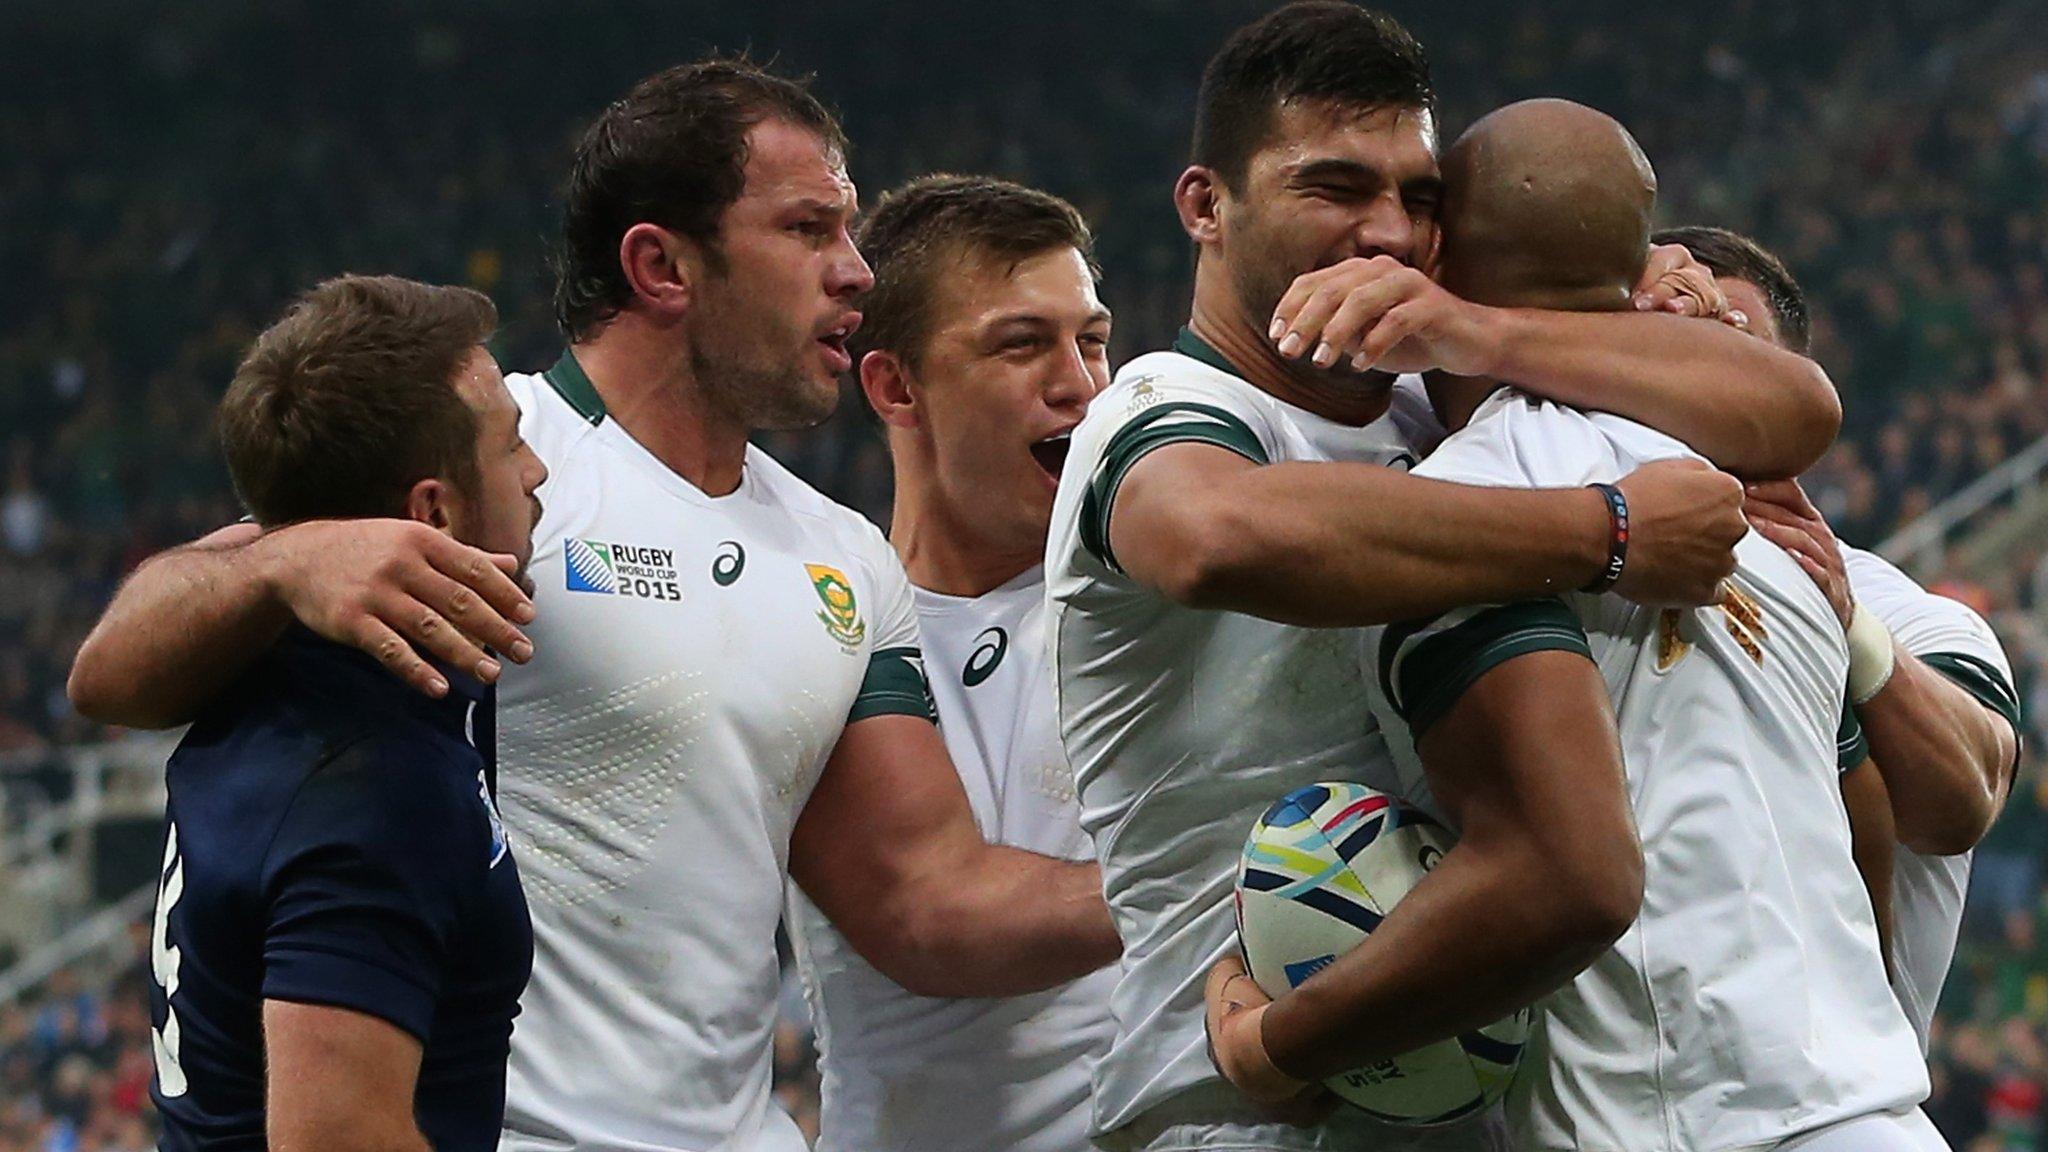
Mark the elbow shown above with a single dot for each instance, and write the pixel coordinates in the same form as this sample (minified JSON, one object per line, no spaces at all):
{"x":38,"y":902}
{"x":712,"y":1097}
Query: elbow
{"x":1592,"y":902}
{"x":912,"y":943}
{"x":92,"y":692}
{"x":98,"y":695}
{"x":1950,"y":828}
{"x":1794,"y":445}
{"x":1211,"y":561}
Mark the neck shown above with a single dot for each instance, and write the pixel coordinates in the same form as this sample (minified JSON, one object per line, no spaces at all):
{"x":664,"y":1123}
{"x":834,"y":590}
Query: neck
{"x":642,"y":373}
{"x":1219,"y":318}
{"x":1455,"y":398}
{"x":942,"y":549}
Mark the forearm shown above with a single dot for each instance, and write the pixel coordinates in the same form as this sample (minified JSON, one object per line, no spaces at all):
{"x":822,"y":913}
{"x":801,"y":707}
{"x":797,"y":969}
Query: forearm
{"x":1485,"y":935}
{"x":1010,"y":923}
{"x":181,"y":628}
{"x":1753,"y":409}
{"x":1326,"y":545}
{"x":1946,"y":759}
{"x":1871,"y":842}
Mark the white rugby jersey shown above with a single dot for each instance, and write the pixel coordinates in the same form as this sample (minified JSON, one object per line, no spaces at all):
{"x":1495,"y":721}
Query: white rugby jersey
{"x":1748,"y":1002}
{"x":695,"y":660}
{"x":1927,"y":891}
{"x":1183,"y":725}
{"x":905,"y":1073}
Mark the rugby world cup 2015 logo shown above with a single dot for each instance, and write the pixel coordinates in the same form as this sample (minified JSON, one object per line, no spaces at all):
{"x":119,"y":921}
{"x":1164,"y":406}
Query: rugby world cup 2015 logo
{"x":841,"y":616}
{"x":610,"y":568}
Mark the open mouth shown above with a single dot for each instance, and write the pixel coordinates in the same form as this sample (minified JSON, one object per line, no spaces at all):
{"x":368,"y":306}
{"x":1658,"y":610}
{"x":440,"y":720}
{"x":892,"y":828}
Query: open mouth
{"x":834,"y":341}
{"x":835,"y":348}
{"x":1051,"y":452}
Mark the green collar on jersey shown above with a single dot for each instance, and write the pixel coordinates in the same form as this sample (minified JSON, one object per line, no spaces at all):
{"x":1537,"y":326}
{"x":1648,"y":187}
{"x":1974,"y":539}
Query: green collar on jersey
{"x":570,"y":383}
{"x":1190,"y":345}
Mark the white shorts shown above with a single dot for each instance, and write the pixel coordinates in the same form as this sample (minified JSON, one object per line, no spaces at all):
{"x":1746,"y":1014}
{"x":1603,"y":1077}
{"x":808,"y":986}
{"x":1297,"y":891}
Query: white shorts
{"x":1211,"y":1119}
{"x":1909,"y":1131}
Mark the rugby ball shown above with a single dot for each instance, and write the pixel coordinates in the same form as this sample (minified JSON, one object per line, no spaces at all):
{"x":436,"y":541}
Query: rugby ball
{"x":1322,"y":867}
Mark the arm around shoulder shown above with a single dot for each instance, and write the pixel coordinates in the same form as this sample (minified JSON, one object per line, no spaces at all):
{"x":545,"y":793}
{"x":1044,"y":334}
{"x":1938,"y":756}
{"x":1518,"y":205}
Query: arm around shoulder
{"x":187,"y":622}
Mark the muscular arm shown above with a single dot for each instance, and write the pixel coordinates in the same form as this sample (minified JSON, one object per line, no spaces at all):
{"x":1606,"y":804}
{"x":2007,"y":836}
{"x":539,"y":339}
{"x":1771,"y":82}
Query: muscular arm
{"x":1336,"y":545}
{"x":190,"y":620}
{"x":1947,"y":753}
{"x":1547,"y":873}
{"x":887,"y":848}
{"x":182,"y":626}
{"x":1751,"y":407}
{"x":1947,"y":759}
{"x":337,"y":1080}
{"x":1871,"y":840}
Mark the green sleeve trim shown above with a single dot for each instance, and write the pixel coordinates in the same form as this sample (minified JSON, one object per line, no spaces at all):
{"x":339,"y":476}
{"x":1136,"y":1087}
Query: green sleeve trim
{"x":1980,"y":679}
{"x":1852,"y":747}
{"x":1983,"y":680}
{"x":894,"y":686}
{"x":1170,"y":423}
{"x":1426,"y":681}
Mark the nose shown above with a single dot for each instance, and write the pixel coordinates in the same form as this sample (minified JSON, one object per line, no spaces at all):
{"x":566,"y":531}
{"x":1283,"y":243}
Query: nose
{"x":1386,"y":229}
{"x":1071,"y":381}
{"x":848,"y":273}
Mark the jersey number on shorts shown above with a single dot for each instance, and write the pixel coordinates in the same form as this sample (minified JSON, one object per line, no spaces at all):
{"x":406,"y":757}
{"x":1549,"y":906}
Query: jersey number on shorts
{"x":164,"y":958}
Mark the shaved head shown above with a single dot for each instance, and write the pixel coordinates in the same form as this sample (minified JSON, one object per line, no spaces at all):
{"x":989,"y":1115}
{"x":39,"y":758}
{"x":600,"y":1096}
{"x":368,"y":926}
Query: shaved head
{"x":1547,"y":204}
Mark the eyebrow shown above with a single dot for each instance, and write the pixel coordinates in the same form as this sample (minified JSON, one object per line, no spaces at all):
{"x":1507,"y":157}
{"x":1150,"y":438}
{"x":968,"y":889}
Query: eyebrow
{"x":815,"y":204}
{"x":1098,"y":316}
{"x":1331,"y":166}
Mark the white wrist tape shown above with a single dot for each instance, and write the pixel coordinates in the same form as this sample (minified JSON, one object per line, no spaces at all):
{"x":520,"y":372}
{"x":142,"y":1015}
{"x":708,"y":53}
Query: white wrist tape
{"x":1871,"y":658}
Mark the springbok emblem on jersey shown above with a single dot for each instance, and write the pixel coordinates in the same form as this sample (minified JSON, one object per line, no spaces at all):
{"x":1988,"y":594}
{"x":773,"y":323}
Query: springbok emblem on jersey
{"x":841,"y":616}
{"x":1743,"y":616}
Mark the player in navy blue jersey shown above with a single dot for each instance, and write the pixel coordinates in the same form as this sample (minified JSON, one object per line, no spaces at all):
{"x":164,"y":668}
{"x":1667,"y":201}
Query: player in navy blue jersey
{"x":340,"y":939}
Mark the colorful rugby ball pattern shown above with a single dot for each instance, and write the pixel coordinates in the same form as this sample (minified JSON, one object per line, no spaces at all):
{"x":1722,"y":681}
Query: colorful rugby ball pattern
{"x":1322,"y":867}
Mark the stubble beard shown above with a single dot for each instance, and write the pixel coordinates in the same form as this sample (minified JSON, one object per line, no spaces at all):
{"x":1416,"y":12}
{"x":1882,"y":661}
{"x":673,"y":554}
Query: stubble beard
{"x":762,"y":397}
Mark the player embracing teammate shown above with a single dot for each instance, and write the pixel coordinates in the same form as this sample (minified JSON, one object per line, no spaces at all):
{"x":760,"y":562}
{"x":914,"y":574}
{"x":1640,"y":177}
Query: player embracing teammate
{"x":724,"y":685}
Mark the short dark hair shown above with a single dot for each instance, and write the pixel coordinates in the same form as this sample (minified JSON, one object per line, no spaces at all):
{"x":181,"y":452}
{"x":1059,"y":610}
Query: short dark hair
{"x":673,"y":153}
{"x":1737,"y":257}
{"x":349,"y":400}
{"x":1315,"y":50}
{"x":915,"y":230}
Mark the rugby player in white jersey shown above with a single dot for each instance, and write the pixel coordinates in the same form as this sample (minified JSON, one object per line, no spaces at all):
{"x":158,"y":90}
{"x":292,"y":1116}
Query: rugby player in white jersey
{"x":1227,"y":511}
{"x":983,"y":343}
{"x":723,"y":689}
{"x":1930,"y":683}
{"x":1746,"y":1008}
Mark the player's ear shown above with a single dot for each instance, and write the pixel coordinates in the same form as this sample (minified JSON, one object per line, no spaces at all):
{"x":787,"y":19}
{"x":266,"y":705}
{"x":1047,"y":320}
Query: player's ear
{"x":885,"y":381}
{"x":1195,"y":196}
{"x":657,"y":266}
{"x":429,"y":502}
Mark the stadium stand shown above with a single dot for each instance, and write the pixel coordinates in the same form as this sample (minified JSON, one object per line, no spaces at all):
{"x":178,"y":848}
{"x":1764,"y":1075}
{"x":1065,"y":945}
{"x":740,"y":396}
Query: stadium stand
{"x":170,"y":183}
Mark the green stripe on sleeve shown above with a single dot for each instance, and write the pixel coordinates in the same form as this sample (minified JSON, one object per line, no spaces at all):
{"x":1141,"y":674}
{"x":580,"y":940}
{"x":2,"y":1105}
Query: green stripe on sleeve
{"x":1430,"y":676}
{"x":1170,"y":423}
{"x":1852,"y":747}
{"x":1981,"y":680}
{"x":894,"y":686}
{"x":1984,"y":681}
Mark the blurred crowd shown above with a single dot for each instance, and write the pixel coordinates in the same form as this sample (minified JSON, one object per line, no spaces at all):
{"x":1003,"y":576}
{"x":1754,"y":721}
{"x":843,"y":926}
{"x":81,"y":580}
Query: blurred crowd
{"x":172,"y":183}
{"x":75,"y":1058}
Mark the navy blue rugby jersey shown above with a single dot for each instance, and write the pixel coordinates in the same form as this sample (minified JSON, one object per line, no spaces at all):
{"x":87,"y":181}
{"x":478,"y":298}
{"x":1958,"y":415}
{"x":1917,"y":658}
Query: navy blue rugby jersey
{"x":332,"y":838}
